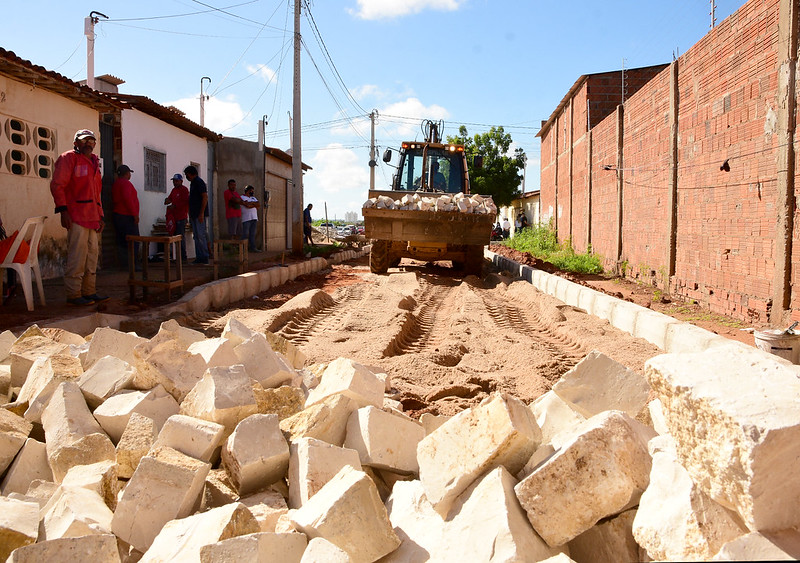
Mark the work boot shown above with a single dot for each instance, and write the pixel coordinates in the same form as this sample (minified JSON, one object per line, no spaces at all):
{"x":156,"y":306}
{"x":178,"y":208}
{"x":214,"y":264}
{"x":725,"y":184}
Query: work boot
{"x":80,"y":301}
{"x":95,"y":298}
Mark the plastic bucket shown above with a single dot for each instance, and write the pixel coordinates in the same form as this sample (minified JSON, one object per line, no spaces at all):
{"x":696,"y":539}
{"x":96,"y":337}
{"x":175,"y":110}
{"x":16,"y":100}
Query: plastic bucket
{"x":776,"y":341}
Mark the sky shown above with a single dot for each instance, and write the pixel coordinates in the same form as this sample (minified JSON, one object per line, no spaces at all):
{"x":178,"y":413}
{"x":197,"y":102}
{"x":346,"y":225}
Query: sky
{"x":478,"y":63}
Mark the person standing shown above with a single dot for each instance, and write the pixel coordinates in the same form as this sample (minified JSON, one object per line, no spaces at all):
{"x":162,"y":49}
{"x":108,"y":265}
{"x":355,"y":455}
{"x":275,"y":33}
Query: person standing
{"x":506,"y":228}
{"x":249,"y":217}
{"x":198,"y":211}
{"x":76,"y":188}
{"x":307,"y":225}
{"x":125,"y":212}
{"x":233,"y":210}
{"x":178,"y":202}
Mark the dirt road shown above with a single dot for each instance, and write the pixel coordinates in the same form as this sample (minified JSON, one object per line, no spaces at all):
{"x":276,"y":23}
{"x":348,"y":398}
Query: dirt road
{"x":445,"y":341}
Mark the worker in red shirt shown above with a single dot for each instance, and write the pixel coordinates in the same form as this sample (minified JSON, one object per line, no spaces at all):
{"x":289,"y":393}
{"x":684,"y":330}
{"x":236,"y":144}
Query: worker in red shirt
{"x":233,"y":210}
{"x":76,"y":187}
{"x":125,"y":208}
{"x":178,"y":202}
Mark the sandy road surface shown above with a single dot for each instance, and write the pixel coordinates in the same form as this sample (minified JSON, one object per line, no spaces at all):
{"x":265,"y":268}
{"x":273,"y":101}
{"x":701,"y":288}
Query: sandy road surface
{"x":445,"y":341}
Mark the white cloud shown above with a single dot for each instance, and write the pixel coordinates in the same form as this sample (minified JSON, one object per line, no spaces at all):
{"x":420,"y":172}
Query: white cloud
{"x":340,"y":179}
{"x":220,"y":114}
{"x":387,"y":9}
{"x":266,"y":73}
{"x":415,"y":112}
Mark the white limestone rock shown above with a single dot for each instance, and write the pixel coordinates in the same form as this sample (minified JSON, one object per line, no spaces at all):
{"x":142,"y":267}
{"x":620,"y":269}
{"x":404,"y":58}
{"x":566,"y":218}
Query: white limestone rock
{"x":195,"y":437}
{"x":114,"y":413}
{"x":74,"y":512}
{"x":72,"y":435}
{"x":385,"y":440}
{"x":236,"y":331}
{"x":500,"y":431}
{"x":43,"y":377}
{"x":293,"y":355}
{"x":348,"y":512}
{"x":261,"y":546}
{"x":676,"y":520}
{"x":215,"y":351}
{"x":106,"y":377}
{"x":598,"y":383}
{"x":7,"y":340}
{"x":182,"y":539}
{"x":30,"y":464}
{"x":139,"y":436}
{"x":755,"y":546}
{"x":556,"y":418}
{"x":166,"y":485}
{"x":94,"y":548}
{"x":267,"y":507}
{"x":107,"y":341}
{"x":736,"y":423}
{"x":224,"y":395}
{"x":326,"y":421}
{"x":610,"y":541}
{"x":656,"y":410}
{"x":27,"y":349}
{"x":100,"y":478}
{"x":14,"y":431}
{"x":172,"y":330}
{"x":320,"y":550}
{"x":312,"y":463}
{"x":349,"y":378}
{"x":262,"y":363}
{"x":170,"y":364}
{"x":283,"y":401}
{"x":256,"y":453}
{"x":601,"y":472}
{"x":431,"y":422}
{"x":19,"y":525}
{"x":486,"y":523}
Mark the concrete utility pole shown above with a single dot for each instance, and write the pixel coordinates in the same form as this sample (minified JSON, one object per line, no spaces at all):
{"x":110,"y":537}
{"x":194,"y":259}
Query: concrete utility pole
{"x":203,"y":99}
{"x":297,"y":153}
{"x":372,"y":163}
{"x":88,"y":31}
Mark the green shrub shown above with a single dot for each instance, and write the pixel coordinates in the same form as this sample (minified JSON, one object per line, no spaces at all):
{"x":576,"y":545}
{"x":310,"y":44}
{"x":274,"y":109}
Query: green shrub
{"x":541,"y":241}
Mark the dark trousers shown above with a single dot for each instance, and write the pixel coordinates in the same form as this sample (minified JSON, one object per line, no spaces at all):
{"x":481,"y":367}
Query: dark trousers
{"x":180,"y":229}
{"x":125,"y":225}
{"x":249,"y":234}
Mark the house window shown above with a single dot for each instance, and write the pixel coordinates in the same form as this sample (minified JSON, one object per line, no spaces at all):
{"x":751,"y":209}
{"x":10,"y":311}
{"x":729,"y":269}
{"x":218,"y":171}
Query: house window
{"x":155,"y":171}
{"x":27,"y":149}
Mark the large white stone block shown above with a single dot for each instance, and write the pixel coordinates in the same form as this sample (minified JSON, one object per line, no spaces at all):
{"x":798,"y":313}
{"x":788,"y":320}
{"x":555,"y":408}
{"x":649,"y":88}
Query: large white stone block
{"x":137,"y":439}
{"x":601,"y":472}
{"x":72,"y":435}
{"x":27,"y":350}
{"x":610,"y":541}
{"x":107,"y":341}
{"x":326,"y":421}
{"x":195,"y":437}
{"x":107,"y":376}
{"x":735,"y":419}
{"x":170,"y":364}
{"x":348,"y":512}
{"x":68,"y":550}
{"x":14,"y":430}
{"x":755,"y":546}
{"x":100,"y":478}
{"x":215,"y":351}
{"x":74,"y":512}
{"x":486,"y":523}
{"x":7,"y":340}
{"x":166,"y":485}
{"x":676,"y":520}
{"x":598,"y":383}
{"x":114,"y":413}
{"x":19,"y":525}
{"x":500,"y":430}
{"x":385,"y":440}
{"x":30,"y":464}
{"x":320,"y":550}
{"x":224,"y":395}
{"x":43,"y":377}
{"x":349,"y":378}
{"x":556,"y":418}
{"x":312,"y":463}
{"x":182,"y":539}
{"x":292,"y":353}
{"x":262,"y":363}
{"x":262,"y":546}
{"x":267,"y":507}
{"x":256,"y":454}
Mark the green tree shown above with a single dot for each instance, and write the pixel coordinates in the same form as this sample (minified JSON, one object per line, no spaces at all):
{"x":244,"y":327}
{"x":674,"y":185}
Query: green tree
{"x":500,"y":176}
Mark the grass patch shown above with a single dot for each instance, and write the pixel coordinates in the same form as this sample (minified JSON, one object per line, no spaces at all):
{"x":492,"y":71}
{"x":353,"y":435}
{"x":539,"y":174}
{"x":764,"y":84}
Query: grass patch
{"x":541,"y":241}
{"x":323,"y":250}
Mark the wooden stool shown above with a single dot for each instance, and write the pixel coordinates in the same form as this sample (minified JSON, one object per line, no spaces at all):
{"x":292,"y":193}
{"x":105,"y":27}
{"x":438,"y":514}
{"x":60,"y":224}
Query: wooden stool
{"x":219,"y":247}
{"x":167,"y":283}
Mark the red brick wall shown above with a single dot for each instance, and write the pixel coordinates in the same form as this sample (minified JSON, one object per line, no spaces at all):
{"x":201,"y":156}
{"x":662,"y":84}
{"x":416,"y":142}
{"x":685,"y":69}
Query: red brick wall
{"x":604,"y":191}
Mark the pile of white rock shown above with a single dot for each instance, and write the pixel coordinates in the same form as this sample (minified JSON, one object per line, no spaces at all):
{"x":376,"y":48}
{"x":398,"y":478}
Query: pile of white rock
{"x":187,"y":448}
{"x":461,"y":203}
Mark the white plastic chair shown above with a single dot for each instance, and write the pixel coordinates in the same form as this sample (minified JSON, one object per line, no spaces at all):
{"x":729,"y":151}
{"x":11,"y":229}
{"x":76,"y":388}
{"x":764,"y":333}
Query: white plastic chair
{"x":30,"y":231}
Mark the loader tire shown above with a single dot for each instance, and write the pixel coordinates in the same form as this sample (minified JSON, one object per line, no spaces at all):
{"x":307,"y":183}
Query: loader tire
{"x":473,"y":262}
{"x":379,"y":257}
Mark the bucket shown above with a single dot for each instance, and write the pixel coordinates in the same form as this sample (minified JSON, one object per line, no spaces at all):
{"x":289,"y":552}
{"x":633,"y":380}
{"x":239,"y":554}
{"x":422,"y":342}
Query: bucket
{"x":778,"y":342}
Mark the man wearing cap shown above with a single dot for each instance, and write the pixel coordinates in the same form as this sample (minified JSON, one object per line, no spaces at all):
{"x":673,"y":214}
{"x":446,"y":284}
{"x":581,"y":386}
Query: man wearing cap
{"x":178,"y":202}
{"x":125,"y":207}
{"x":198,"y":211}
{"x":76,"y":187}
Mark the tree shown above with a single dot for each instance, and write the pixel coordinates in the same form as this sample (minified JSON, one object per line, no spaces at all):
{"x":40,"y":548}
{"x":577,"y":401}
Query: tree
{"x":500,"y":176}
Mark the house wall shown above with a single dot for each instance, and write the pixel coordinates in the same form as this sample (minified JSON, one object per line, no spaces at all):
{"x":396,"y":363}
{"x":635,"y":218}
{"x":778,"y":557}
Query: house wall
{"x":276,"y":181}
{"x":50,"y":122}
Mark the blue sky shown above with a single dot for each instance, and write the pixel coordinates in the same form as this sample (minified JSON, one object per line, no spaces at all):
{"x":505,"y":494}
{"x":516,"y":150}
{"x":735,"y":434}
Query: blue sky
{"x":474,"y":62}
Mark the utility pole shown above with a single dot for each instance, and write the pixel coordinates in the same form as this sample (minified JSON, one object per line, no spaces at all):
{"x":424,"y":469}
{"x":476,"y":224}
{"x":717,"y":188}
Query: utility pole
{"x":297,"y":153}
{"x":203,"y":99}
{"x":88,"y":31}
{"x":372,"y":163}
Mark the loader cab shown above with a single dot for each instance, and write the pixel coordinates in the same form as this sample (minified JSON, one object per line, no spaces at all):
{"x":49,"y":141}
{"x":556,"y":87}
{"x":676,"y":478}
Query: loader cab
{"x":432,"y":167}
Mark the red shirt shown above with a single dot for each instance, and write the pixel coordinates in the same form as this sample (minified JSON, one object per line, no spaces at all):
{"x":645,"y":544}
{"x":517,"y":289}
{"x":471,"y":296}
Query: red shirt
{"x":77,"y":187}
{"x":179,"y":197}
{"x":230,"y":212}
{"x":124,"y":198}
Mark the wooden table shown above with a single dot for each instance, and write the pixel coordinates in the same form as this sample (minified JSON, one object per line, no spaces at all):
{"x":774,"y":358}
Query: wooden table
{"x":219,"y":246}
{"x":145,"y":282}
